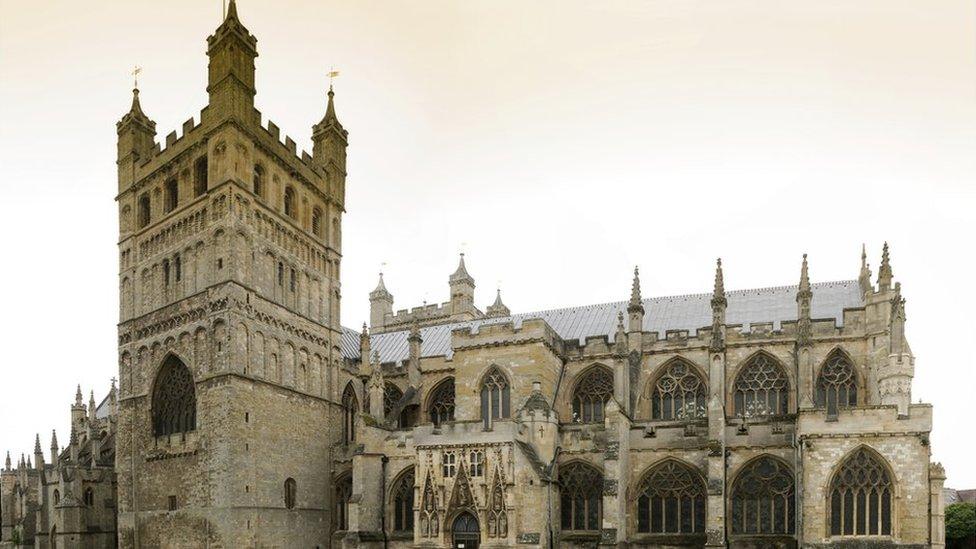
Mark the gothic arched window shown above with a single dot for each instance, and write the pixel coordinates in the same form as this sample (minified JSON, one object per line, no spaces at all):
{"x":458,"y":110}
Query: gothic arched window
{"x":350,"y":408}
{"x":761,"y":388}
{"x":317,"y":222}
{"x":258,"y":180}
{"x":174,"y":403}
{"x":441,"y":407}
{"x":763,"y":500}
{"x":403,"y":502}
{"x":57,"y":497}
{"x":172,"y":197}
{"x":860,"y":497}
{"x":580,"y":497}
{"x":836,"y":384}
{"x":200,"y":176}
{"x":89,"y":497}
{"x":591,"y":395}
{"x":144,"y":210}
{"x":679,"y":393}
{"x":291,"y":493}
{"x":290,"y":202}
{"x":343,"y":493}
{"x":671,"y":500}
{"x":495,"y":397}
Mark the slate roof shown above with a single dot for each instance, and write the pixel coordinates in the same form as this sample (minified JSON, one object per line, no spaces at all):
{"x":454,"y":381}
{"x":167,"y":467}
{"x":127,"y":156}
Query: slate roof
{"x":683,"y":312}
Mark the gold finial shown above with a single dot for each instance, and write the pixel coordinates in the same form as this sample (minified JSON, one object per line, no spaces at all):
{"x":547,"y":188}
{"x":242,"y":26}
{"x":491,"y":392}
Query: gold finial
{"x":135,"y":76}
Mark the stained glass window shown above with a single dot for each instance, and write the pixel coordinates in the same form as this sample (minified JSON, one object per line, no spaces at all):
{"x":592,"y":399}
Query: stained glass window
{"x":836,"y":384}
{"x":591,"y":395}
{"x":761,"y":389}
{"x":860,"y":497}
{"x":671,"y":500}
{"x":403,"y":502}
{"x":581,"y":497}
{"x":763,"y":500}
{"x":679,"y":393}
{"x":441,"y":407}
{"x":495,"y":397}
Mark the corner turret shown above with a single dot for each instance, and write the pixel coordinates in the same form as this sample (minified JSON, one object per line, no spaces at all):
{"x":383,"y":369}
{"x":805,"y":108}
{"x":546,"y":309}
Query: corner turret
{"x":329,"y":143}
{"x":462,"y":293}
{"x":230,"y":80}
{"x":136,"y":141}
{"x":380,"y":304}
{"x":497,"y":309}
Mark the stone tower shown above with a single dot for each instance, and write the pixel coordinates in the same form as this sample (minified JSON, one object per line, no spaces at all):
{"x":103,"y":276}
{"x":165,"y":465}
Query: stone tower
{"x":229,"y":253}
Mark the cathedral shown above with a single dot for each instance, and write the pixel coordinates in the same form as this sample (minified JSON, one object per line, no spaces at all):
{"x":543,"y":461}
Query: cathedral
{"x":247,"y":416}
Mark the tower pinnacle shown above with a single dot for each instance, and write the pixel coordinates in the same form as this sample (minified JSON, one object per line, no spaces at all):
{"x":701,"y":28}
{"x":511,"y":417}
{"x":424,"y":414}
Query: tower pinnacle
{"x":884,"y":272}
{"x":864,"y":278}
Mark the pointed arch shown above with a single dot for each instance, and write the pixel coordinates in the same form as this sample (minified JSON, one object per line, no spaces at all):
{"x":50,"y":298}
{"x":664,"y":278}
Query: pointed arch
{"x":401,"y":500}
{"x":343,"y":493}
{"x":671,"y":499}
{"x":678,"y":391}
{"x":350,"y":413}
{"x":580,"y":497}
{"x":496,"y":514}
{"x":440,"y":404}
{"x":591,"y":392}
{"x":837,"y":382}
{"x":174,"y":406}
{"x":496,"y":396}
{"x":761,"y":387}
{"x":763,"y":498}
{"x":429,"y":515}
{"x":861,"y":495}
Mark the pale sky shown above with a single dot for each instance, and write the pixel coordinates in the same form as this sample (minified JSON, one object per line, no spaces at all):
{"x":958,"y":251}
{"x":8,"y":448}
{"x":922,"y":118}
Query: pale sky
{"x":559,"y":143}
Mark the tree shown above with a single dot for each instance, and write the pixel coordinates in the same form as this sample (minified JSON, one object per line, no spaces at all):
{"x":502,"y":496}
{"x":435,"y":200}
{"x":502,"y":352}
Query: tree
{"x":960,"y":520}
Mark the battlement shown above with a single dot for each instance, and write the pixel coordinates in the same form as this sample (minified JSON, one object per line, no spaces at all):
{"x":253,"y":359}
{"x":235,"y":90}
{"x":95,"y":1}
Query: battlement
{"x":507,"y":333}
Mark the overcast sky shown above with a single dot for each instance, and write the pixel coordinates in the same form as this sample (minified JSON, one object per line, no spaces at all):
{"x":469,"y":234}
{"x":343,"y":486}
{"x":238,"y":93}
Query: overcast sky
{"x":558,"y":143}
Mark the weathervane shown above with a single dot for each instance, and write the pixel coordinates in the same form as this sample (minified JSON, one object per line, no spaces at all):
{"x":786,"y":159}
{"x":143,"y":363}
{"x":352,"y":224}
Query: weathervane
{"x":332,"y":74}
{"x":135,"y":76}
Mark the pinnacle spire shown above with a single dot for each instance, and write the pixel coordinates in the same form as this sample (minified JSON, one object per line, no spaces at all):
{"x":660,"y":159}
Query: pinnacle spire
{"x":7,"y":462}
{"x":461,"y":273}
{"x":37,"y":444}
{"x":231,"y":10}
{"x":91,"y":404}
{"x":718,"y":292}
{"x":54,"y":440}
{"x":78,"y":401}
{"x":498,"y":308}
{"x":884,"y":272}
{"x":864,"y":278}
{"x":804,"y":279}
{"x":635,"y":293}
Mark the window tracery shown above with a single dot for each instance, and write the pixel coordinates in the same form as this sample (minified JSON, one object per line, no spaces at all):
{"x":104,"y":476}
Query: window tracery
{"x":441,"y":406}
{"x":391,"y":396}
{"x":679,"y":393}
{"x":671,"y":500}
{"x":836,"y":384}
{"x":580,"y":497}
{"x":174,"y":406}
{"x":495,"y":397}
{"x":761,"y":389}
{"x":591,"y":395}
{"x":429,"y":521}
{"x":860,"y":497}
{"x":763,"y":499}
{"x":403,"y":502}
{"x":496,"y":514}
{"x":350,"y":407}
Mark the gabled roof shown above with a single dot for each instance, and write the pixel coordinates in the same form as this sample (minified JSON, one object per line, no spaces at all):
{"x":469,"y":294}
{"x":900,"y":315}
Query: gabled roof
{"x":683,"y":312}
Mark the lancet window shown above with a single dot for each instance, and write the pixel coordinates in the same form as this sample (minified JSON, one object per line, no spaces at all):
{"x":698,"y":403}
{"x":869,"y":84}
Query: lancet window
{"x":580,"y":497}
{"x":763,"y":500}
{"x":671,"y":500}
{"x":174,"y":404}
{"x":591,"y":395}
{"x":441,"y":406}
{"x":350,"y":409}
{"x":679,"y":393}
{"x":761,"y":389}
{"x":343,"y":493}
{"x":836,"y":384}
{"x":403,"y":502}
{"x":860,"y":497}
{"x":495,"y":397}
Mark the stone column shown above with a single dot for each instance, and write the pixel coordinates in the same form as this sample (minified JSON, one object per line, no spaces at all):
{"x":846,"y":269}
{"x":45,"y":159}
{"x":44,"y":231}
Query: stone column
{"x":715,"y":513}
{"x":616,"y":466}
{"x":937,"y":533}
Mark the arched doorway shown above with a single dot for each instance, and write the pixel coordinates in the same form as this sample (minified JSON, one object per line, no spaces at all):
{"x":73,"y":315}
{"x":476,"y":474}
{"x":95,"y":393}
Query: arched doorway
{"x":465,"y":532}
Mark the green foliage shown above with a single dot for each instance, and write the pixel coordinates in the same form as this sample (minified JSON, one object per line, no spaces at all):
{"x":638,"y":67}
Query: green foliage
{"x":960,"y":520}
{"x":15,"y":537}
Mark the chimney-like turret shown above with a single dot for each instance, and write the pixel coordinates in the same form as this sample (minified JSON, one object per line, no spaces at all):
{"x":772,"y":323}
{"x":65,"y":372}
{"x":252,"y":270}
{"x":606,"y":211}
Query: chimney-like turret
{"x":413,"y":367}
{"x":462,"y":292}
{"x":364,"y":355}
{"x":377,"y":385}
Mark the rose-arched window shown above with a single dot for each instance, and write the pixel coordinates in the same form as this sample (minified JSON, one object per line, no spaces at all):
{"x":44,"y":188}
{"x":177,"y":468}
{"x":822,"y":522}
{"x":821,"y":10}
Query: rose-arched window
{"x":591,"y":395}
{"x":836,"y":384}
{"x":679,"y":393}
{"x":580,"y":497}
{"x":761,"y":388}
{"x":174,"y":403}
{"x":441,"y":406}
{"x":350,"y":408}
{"x":495,"y":397}
{"x":403,"y":502}
{"x":671,"y":500}
{"x":763,"y":499}
{"x":860,"y":497}
{"x":343,"y":493}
